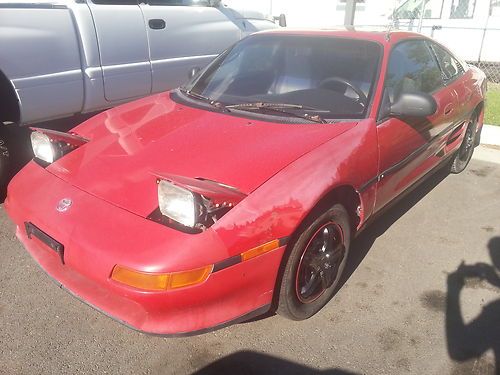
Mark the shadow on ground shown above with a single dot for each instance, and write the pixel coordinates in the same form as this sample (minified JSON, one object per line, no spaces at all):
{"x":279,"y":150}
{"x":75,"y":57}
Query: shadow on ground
{"x":253,"y":363}
{"x":470,"y":341}
{"x":365,"y":240}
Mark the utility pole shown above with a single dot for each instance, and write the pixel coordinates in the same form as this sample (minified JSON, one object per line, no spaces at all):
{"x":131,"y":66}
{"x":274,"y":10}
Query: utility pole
{"x":350,"y":11}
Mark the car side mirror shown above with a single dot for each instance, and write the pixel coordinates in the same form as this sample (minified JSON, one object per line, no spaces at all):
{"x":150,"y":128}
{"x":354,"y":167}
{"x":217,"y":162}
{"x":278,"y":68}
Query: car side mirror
{"x":417,"y":104}
{"x":281,"y":20}
{"x":194,"y":71}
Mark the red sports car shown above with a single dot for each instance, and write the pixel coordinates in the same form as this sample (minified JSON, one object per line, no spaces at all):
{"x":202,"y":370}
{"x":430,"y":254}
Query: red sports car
{"x":241,"y":191}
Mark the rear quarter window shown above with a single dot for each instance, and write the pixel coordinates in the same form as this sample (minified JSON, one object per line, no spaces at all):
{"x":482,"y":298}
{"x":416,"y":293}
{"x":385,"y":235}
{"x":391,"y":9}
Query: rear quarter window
{"x":450,"y":66}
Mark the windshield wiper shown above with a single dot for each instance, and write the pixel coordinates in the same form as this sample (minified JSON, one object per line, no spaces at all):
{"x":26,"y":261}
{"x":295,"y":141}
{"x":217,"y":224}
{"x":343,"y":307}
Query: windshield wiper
{"x":284,"y":108}
{"x":206,"y":99}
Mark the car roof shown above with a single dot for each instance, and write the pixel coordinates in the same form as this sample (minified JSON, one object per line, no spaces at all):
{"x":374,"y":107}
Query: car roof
{"x":383,"y":37}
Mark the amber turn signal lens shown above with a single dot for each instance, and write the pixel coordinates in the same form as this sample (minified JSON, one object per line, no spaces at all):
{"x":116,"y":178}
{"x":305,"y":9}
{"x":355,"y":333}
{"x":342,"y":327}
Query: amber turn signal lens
{"x":160,"y":281}
{"x":186,"y":278}
{"x":140,"y":280}
{"x":259,"y":250}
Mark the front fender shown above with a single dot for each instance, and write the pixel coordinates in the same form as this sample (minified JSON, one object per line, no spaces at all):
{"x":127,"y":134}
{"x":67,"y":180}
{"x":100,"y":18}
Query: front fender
{"x":278,"y":207}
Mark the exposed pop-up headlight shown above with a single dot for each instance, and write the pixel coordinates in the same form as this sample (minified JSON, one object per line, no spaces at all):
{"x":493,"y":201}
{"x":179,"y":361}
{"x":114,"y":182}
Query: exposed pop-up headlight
{"x":178,"y":203}
{"x":193,"y":204}
{"x":50,"y":145}
{"x":42,"y":147}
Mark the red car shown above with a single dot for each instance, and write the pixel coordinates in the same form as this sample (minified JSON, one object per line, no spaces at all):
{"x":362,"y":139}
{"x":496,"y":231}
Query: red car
{"x":241,"y":191}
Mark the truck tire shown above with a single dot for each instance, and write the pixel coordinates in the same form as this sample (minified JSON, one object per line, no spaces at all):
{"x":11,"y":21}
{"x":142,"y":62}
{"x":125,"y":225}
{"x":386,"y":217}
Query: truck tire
{"x":15,"y":152}
{"x":4,"y":165}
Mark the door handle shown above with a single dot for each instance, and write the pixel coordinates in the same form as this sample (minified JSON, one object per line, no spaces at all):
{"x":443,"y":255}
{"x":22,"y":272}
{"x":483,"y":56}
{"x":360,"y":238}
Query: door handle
{"x":157,"y":24}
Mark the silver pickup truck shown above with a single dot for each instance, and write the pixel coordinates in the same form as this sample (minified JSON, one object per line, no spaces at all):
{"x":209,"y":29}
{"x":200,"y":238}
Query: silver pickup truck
{"x":63,"y":57}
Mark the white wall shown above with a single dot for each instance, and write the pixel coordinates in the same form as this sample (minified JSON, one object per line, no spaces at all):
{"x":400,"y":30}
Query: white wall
{"x":462,"y":36}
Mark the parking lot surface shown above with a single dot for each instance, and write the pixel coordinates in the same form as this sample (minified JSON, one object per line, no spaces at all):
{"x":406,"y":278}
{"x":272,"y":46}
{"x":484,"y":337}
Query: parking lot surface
{"x":405,"y":307}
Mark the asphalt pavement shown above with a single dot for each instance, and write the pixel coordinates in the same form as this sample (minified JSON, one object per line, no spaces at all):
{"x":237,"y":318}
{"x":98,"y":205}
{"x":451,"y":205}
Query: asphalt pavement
{"x":407,"y":306}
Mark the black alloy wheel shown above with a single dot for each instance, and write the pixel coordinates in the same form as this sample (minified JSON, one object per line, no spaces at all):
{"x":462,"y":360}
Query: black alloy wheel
{"x":314,"y":263}
{"x":464,"y":153}
{"x":319,"y":264}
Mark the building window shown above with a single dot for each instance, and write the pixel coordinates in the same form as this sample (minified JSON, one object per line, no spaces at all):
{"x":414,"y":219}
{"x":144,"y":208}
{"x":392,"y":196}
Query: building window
{"x":495,"y":8}
{"x":411,"y":9}
{"x":462,"y":8}
{"x":360,"y":5}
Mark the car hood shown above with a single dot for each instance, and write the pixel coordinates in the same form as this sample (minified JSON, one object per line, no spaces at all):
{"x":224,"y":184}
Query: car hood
{"x":129,"y":146}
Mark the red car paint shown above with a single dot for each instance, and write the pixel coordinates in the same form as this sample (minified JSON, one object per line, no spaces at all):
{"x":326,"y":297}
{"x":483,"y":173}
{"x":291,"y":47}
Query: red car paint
{"x":283,"y":170}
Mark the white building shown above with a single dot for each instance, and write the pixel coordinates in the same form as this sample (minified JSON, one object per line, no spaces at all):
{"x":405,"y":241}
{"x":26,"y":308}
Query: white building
{"x":470,"y":28}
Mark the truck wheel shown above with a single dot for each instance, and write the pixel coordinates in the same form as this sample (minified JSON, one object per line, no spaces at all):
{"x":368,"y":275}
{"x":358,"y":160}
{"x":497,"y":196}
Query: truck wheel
{"x":4,"y":164}
{"x":15,"y":152}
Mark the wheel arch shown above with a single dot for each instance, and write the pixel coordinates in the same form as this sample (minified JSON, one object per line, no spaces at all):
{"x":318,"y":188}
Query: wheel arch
{"x":479,"y":111}
{"x":479,"y":107}
{"x":344,"y":194}
{"x":10,"y":111}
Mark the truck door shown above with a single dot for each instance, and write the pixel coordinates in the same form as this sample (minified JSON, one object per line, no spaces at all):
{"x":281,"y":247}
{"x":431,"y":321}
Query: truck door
{"x":183,"y":36}
{"x":123,"y":48}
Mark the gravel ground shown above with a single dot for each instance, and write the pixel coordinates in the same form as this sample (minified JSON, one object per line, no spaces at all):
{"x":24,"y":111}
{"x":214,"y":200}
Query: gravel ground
{"x":395,"y":314}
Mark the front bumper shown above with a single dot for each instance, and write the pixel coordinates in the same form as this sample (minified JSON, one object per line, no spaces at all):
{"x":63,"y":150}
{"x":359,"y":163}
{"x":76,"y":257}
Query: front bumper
{"x":97,"y":235}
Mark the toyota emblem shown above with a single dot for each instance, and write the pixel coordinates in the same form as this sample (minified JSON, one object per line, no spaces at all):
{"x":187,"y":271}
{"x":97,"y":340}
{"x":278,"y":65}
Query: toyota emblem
{"x":64,"y":205}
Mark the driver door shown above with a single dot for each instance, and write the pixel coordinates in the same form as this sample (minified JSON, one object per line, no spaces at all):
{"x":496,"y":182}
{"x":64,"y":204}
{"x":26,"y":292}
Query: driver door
{"x":409,"y":148}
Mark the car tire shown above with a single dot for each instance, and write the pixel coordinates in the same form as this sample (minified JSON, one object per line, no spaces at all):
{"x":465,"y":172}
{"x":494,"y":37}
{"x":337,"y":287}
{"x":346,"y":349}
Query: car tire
{"x":315,"y":264}
{"x":464,"y":154}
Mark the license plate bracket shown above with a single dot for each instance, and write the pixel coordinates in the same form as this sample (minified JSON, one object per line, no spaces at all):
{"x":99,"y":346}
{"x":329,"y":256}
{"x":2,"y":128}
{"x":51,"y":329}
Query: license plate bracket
{"x":33,"y":231}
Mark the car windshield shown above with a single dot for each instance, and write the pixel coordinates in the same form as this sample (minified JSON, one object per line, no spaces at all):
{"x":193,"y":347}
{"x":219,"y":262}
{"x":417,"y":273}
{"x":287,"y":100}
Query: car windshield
{"x":331,"y":76}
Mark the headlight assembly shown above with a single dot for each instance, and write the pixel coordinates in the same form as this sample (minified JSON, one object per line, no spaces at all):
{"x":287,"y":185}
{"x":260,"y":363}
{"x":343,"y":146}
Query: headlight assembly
{"x":179,"y":204}
{"x":42,"y":147}
{"x":50,"y":145}
{"x":192,"y":205}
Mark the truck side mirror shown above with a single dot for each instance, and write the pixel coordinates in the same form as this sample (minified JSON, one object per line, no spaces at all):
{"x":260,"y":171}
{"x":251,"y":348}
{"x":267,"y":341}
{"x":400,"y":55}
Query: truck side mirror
{"x":282,"y":20}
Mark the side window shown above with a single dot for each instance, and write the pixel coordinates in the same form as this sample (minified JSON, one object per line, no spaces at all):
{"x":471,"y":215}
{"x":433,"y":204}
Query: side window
{"x":201,"y":3}
{"x":412,"y":68}
{"x":449,"y":65}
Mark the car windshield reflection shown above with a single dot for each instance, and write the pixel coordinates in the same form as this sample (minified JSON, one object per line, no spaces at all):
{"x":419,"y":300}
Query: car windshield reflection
{"x":334,"y":76}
